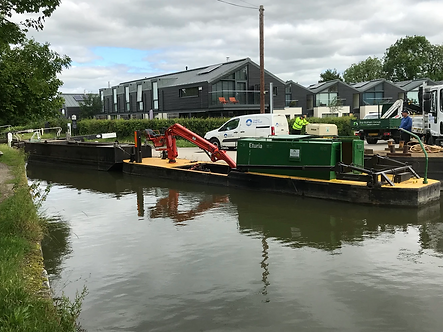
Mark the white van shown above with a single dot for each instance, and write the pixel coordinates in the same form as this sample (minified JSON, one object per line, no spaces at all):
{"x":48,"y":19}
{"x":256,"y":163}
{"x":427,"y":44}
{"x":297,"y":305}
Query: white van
{"x":253,"y":125}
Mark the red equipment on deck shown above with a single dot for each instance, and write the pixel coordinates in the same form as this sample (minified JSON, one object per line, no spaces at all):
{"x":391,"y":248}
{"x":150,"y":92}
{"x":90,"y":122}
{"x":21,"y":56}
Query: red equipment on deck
{"x":166,"y":142}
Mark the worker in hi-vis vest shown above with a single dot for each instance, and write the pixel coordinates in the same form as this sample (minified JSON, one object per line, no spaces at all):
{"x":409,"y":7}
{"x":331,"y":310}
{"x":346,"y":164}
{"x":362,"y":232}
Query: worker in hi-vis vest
{"x":299,"y":122}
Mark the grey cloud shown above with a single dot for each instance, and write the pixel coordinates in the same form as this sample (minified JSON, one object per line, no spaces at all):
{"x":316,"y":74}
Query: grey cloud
{"x":302,"y":38}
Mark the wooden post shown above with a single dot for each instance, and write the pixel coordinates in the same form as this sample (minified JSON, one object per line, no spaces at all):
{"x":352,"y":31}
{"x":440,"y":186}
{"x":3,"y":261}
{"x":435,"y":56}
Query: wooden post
{"x":262,"y":62}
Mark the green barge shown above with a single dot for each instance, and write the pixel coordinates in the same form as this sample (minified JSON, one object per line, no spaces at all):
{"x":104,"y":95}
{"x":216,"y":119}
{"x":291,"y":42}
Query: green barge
{"x":331,"y":168}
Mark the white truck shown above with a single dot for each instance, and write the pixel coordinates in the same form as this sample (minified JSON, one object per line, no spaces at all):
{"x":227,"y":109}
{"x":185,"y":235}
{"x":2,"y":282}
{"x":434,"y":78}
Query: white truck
{"x":429,"y":124}
{"x":253,"y":125}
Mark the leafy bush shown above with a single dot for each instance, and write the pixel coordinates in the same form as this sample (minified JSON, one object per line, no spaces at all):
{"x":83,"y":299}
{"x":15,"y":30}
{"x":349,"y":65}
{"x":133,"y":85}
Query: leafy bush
{"x":125,"y":128}
{"x":54,"y":122}
{"x":343,"y":124}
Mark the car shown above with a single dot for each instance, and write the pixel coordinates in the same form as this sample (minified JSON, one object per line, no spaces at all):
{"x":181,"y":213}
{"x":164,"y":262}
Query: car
{"x":371,"y":116}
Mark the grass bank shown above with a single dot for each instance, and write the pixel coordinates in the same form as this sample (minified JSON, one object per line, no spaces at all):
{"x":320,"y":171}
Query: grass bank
{"x":23,"y":305}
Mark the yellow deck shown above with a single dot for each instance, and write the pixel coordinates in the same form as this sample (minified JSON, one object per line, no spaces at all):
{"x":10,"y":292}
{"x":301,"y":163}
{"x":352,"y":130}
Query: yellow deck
{"x":158,"y":162}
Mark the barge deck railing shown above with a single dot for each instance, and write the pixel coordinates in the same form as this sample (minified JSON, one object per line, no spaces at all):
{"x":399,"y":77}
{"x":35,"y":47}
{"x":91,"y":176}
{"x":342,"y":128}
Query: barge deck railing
{"x":425,"y":178}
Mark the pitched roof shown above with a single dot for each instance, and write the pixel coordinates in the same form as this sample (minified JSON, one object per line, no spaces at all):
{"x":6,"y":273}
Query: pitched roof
{"x":321,"y":86}
{"x":72,"y":99}
{"x":291,"y":82}
{"x":364,"y":86}
{"x":202,"y":74}
{"x":413,"y":84}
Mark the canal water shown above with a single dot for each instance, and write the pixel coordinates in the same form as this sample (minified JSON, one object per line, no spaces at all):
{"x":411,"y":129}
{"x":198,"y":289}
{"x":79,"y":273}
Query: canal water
{"x":157,"y":255}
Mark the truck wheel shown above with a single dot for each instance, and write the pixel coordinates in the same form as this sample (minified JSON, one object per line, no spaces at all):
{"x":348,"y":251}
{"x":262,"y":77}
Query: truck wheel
{"x":216,"y":142}
{"x":396,"y":140}
{"x":430,"y":140}
{"x":371,"y":140}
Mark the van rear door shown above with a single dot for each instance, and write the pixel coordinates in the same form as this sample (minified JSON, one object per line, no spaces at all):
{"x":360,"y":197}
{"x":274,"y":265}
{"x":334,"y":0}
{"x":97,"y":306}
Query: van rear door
{"x":280,"y":124}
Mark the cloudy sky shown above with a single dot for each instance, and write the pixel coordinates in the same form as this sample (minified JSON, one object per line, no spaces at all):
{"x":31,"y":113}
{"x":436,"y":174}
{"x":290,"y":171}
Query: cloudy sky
{"x":115,"y":41}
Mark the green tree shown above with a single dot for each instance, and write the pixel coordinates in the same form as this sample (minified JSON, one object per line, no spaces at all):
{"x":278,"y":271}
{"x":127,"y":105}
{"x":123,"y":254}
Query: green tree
{"x":90,"y":106}
{"x":367,"y":70}
{"x":435,"y":70}
{"x":28,"y":82}
{"x":408,"y":59}
{"x":11,"y":32}
{"x":335,"y":105}
{"x":329,"y":75}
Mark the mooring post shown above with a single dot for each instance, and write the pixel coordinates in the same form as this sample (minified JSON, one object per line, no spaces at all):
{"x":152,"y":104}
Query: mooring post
{"x":9,"y":138}
{"x":138,"y":146}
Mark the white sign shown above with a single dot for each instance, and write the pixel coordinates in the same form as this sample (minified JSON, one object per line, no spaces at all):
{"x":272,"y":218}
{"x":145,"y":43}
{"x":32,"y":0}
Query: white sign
{"x":109,"y":135}
{"x":294,"y":153}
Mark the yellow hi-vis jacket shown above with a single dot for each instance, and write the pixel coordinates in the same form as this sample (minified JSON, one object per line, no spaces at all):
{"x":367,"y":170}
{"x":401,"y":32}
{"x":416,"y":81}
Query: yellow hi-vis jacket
{"x":299,"y":123}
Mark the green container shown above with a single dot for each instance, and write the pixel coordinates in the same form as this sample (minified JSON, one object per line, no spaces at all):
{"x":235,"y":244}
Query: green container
{"x":290,"y":151}
{"x":358,"y":153}
{"x":353,"y":151}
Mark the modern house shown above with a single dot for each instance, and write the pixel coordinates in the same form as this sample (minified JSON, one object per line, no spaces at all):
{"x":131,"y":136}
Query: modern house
{"x":224,"y":89}
{"x":71,"y":105}
{"x":411,"y":88}
{"x":331,"y":98}
{"x":373,"y":94}
{"x":296,"y":98}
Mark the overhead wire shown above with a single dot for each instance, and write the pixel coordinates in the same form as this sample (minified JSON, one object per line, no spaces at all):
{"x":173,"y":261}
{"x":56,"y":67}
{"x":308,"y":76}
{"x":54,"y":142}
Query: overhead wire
{"x":247,"y":2}
{"x":237,"y":5}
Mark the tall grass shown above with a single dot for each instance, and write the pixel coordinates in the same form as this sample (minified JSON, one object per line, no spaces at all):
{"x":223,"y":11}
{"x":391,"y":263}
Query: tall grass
{"x":22,"y":305}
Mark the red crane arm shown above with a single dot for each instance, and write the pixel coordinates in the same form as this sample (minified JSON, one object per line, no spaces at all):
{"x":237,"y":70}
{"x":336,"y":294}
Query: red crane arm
{"x":179,"y":130}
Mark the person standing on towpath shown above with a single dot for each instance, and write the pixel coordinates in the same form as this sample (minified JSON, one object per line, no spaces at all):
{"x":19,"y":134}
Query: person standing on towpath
{"x":299,"y":122}
{"x":406,"y":123}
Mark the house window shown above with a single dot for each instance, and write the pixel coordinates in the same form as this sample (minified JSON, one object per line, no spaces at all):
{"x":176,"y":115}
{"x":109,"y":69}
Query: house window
{"x":139,"y":97}
{"x":242,"y":74}
{"x":188,"y":92}
{"x":329,"y":115}
{"x":128,"y":106}
{"x":155,"y":95}
{"x":114,"y":94}
{"x":274,"y":91}
{"x":224,"y":89}
{"x":101,"y":100}
{"x":325,"y":97}
{"x":374,"y":96}
{"x":288,"y":101}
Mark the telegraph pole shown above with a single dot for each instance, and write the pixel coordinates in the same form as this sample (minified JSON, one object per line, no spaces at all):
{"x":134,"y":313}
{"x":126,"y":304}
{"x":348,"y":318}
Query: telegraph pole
{"x":262,"y":63}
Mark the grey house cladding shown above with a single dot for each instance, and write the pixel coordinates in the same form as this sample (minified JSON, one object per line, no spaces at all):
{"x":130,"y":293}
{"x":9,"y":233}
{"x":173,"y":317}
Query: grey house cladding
{"x":225,"y":89}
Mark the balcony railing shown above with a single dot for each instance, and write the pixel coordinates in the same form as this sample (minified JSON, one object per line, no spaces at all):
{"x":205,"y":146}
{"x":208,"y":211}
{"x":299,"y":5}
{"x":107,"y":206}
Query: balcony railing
{"x":234,"y":98}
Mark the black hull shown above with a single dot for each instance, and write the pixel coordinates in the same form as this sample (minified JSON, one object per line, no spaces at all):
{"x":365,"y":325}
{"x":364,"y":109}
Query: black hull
{"x":97,"y":156}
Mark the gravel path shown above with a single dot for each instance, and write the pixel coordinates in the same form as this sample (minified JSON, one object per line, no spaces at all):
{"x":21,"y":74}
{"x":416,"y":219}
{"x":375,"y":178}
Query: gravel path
{"x":5,"y":177}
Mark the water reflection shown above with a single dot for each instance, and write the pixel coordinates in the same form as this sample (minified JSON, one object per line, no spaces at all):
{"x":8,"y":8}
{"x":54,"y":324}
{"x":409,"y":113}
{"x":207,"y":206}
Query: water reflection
{"x":167,"y":256}
{"x":56,"y":246}
{"x":294,"y":221}
{"x":81,"y":179}
{"x":328,"y":225}
{"x":169,"y":206}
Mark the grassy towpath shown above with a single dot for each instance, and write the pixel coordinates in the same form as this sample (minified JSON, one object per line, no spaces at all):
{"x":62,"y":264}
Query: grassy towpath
{"x":24,"y":301}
